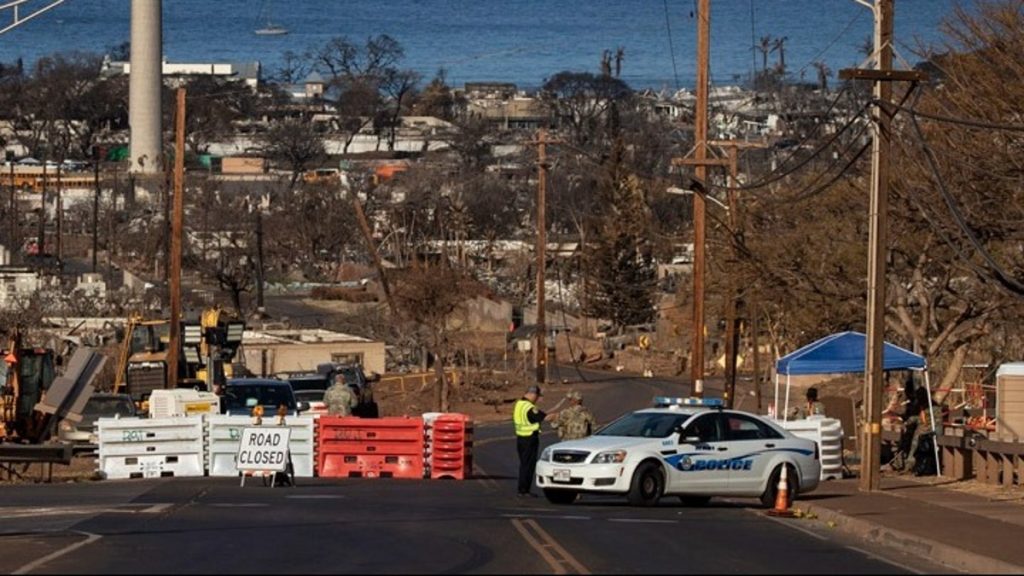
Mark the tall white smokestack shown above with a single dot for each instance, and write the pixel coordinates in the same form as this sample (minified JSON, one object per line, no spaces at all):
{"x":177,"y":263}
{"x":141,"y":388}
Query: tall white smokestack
{"x":144,"y":86}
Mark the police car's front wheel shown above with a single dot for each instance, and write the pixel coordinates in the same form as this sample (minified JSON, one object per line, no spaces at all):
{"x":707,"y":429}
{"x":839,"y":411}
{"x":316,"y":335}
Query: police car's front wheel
{"x":648,"y":483}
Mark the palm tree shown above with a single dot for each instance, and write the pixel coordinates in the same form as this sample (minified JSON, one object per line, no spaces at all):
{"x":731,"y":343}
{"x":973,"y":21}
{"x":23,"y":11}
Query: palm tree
{"x":823,"y":73}
{"x":780,"y":45}
{"x":764,"y":47}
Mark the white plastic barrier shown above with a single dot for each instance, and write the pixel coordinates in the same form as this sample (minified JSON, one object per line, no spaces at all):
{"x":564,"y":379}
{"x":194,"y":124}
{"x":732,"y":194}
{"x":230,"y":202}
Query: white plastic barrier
{"x":224,"y":433}
{"x":828,"y":433}
{"x":150,"y":447}
{"x":428,"y":440}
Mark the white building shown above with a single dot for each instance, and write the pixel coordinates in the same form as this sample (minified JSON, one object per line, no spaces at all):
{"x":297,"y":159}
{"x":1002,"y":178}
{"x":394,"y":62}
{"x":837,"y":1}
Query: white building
{"x":246,"y":72}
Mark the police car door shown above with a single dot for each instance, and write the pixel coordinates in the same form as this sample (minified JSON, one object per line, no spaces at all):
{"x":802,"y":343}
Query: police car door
{"x":701,"y":449}
{"x":751,"y":444}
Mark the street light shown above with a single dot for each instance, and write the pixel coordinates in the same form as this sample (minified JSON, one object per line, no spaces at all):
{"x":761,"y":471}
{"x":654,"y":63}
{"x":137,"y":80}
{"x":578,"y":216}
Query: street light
{"x":677,"y":191}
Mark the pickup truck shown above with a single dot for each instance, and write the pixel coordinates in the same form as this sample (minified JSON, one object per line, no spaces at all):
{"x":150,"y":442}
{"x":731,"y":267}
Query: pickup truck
{"x":241,"y":395}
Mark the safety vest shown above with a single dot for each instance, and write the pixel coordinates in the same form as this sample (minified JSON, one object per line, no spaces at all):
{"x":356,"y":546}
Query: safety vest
{"x":519,"y":417}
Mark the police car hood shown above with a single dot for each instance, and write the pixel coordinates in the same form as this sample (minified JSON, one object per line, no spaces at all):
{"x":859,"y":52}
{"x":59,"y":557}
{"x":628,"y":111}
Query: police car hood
{"x":601,"y":443}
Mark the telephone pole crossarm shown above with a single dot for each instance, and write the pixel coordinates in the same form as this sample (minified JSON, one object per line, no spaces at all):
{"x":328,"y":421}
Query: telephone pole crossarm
{"x":723,"y":162}
{"x":883,"y":75}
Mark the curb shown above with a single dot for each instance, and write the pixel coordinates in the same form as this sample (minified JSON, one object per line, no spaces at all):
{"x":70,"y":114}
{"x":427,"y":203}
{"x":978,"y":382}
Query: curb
{"x":945,"y":554}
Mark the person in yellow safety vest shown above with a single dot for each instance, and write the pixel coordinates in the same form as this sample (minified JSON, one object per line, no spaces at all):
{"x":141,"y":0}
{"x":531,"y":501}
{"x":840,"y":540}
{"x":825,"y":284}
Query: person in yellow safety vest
{"x":526,"y":418}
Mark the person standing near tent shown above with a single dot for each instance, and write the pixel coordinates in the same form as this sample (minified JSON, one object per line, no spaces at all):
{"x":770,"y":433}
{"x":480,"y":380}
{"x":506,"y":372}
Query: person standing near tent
{"x":813,"y":407}
{"x":921,"y":419}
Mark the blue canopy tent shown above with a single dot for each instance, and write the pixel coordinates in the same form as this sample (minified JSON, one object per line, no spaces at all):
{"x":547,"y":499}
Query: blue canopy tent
{"x":844,"y":353}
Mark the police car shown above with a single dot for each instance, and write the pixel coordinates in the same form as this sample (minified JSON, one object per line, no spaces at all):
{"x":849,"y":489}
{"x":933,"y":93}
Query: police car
{"x":686,"y":447}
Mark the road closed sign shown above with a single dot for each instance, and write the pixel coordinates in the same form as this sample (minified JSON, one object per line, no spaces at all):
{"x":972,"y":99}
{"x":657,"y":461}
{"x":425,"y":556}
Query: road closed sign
{"x":263,"y":449}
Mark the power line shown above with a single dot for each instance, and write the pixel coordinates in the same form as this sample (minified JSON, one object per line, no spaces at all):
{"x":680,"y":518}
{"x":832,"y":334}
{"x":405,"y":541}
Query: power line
{"x":671,"y":48}
{"x":970,"y":122}
{"x":777,"y":175}
{"x":940,"y":232}
{"x":831,"y":44}
{"x":808,"y":193}
{"x":1000,"y":275}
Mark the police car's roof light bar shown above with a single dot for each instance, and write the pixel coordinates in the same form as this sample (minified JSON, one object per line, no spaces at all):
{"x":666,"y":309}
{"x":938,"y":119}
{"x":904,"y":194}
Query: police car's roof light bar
{"x":669,"y":402}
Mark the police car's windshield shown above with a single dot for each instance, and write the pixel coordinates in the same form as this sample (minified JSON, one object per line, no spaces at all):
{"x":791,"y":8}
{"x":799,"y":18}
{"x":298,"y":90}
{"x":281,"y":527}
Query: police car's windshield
{"x":644,"y":425}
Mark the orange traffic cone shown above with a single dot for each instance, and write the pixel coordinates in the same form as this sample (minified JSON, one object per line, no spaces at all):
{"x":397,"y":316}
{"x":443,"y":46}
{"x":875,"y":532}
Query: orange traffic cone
{"x":782,"y":497}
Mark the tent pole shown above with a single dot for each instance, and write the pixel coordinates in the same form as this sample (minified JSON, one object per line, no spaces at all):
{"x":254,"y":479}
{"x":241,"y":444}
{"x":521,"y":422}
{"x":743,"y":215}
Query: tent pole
{"x":786,"y":413}
{"x":775,"y":401}
{"x":931,"y":418}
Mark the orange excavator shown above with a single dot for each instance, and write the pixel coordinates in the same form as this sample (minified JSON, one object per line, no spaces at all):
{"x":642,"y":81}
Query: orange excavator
{"x":25,"y":376}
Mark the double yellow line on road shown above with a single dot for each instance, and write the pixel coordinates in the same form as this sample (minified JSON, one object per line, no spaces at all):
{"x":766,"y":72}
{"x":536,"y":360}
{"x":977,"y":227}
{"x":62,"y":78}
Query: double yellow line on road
{"x":557,"y":557}
{"x":560,"y":561}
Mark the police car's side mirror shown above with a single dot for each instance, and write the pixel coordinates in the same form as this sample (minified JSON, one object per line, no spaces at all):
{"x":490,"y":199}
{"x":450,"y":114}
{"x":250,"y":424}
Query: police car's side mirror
{"x":302,"y":407}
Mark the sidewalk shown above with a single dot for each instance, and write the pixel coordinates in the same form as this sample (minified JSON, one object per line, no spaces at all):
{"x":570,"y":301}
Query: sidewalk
{"x":925,"y":517}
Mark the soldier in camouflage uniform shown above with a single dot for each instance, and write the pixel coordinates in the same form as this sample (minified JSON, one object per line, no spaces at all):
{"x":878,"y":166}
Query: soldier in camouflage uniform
{"x":340,"y":399}
{"x":576,"y":421}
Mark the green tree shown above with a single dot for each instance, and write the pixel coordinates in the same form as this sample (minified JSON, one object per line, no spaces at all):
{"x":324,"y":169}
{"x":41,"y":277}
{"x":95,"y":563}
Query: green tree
{"x":620,"y":279}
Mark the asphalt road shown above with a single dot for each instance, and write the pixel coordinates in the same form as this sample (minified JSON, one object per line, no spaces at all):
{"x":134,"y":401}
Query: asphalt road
{"x":212,"y":525}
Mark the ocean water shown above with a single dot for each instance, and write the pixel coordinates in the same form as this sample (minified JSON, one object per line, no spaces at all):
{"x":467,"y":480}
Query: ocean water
{"x":521,"y":41}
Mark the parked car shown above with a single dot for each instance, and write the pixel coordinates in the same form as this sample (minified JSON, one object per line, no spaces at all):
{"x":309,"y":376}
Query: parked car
{"x":690,"y":448}
{"x":98,"y":406}
{"x":73,"y":165}
{"x":315,"y":398}
{"x":241,"y":395}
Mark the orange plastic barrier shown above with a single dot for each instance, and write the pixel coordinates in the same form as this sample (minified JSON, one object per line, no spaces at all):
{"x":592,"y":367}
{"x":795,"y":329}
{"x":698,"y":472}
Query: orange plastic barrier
{"x":450,"y":438}
{"x":370,"y":447}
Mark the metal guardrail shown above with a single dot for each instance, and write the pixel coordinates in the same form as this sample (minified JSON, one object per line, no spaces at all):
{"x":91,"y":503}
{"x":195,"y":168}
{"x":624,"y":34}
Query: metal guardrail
{"x":422,"y":379}
{"x":49,"y":454}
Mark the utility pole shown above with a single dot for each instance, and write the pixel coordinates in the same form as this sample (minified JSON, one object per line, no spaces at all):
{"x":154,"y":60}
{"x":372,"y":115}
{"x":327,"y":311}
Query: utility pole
{"x":42,"y":211}
{"x":699,"y":203}
{"x":882,"y":76}
{"x":733,"y":301}
{"x":541,"y":354}
{"x":60,"y":220}
{"x":95,"y":205}
{"x":15,"y":227}
{"x":177,"y":217}
{"x":700,"y":162}
{"x":260,"y":304}
{"x":756,"y":342}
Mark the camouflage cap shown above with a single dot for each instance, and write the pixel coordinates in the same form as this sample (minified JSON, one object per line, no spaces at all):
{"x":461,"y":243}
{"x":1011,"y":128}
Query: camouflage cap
{"x":573,"y":395}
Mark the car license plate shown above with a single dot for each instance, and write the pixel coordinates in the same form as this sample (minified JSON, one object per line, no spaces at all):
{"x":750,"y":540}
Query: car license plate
{"x":561,"y":475}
